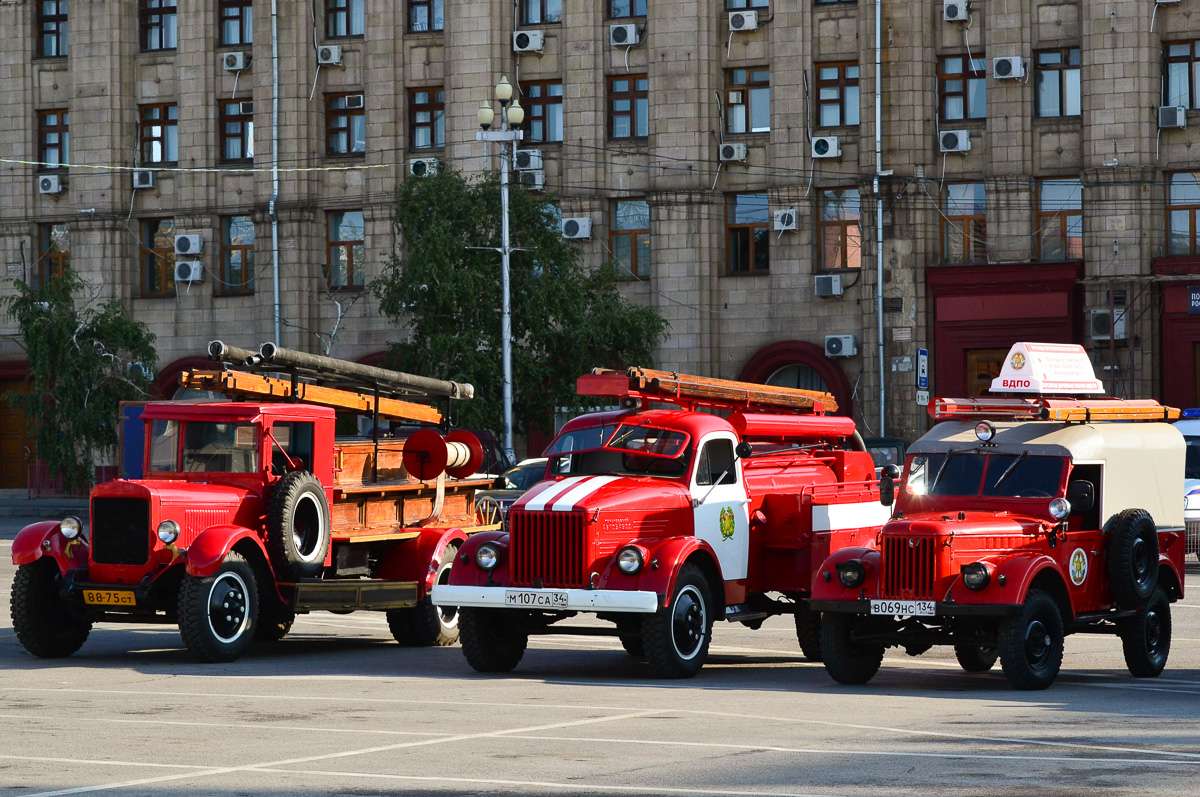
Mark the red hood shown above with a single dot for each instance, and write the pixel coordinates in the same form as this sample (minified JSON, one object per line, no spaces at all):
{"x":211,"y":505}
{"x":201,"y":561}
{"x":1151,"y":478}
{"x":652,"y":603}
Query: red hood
{"x":193,"y":505}
{"x":605,"y":492}
{"x":974,"y":523}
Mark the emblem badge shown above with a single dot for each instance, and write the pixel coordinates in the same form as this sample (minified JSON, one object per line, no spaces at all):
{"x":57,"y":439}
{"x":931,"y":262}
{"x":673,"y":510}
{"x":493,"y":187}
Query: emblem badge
{"x":1078,"y":566}
{"x":726,"y":522}
{"x":1018,"y":361}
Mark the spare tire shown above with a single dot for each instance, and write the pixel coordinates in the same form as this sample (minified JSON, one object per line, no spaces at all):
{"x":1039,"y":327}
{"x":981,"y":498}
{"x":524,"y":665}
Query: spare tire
{"x":1133,"y":557}
{"x":298,"y":530}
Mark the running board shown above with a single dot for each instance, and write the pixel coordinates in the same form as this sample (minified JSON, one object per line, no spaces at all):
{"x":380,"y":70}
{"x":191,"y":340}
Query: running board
{"x":336,"y":596}
{"x":742,"y":613}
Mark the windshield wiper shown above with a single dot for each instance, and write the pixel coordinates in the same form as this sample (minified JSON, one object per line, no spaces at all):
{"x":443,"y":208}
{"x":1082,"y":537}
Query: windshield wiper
{"x":1009,"y":470}
{"x":941,"y":470}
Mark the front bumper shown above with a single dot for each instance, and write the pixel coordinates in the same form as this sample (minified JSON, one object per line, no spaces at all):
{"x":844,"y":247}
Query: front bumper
{"x":578,"y":600}
{"x":940,"y":609}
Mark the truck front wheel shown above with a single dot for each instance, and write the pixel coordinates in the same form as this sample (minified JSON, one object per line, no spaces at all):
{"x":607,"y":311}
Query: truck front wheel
{"x":426,"y":625}
{"x":676,"y":637}
{"x":45,"y":626}
{"x":218,"y":613}
{"x":489,"y":640}
{"x":1146,"y":637}
{"x":1031,"y":644}
{"x":847,"y":661}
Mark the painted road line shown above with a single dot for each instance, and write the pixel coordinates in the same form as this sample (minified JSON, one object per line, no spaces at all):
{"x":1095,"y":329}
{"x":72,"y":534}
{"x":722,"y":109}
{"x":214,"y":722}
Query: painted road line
{"x":253,"y":726}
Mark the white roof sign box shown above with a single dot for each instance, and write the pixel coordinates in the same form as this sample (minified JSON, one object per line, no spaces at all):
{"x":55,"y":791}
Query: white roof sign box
{"x":1047,"y":368}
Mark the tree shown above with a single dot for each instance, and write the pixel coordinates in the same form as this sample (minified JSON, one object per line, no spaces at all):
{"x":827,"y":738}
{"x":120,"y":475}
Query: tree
{"x":445,"y":288}
{"x":83,"y":361}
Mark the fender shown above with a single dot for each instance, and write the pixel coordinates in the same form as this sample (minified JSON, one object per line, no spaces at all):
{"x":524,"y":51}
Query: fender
{"x":468,"y":574}
{"x":417,"y":559}
{"x":670,"y":553}
{"x":1019,"y":572}
{"x":208,"y":550}
{"x":832,"y":590}
{"x":1164,"y":562}
{"x":30,"y":545}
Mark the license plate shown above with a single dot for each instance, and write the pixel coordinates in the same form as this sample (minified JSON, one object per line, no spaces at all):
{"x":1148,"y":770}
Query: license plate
{"x":530,"y":599}
{"x":109,"y":597}
{"x":903,"y":608}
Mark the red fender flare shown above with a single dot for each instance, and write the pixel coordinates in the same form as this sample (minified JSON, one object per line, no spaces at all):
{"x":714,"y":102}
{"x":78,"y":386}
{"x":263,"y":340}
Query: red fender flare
{"x":417,"y":559}
{"x":208,"y":550}
{"x":468,"y":574}
{"x":30,"y":545}
{"x":670,"y":554}
{"x":832,"y":590}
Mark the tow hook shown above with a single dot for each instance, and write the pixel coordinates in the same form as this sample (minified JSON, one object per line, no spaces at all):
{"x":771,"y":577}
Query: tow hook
{"x":592,"y":580}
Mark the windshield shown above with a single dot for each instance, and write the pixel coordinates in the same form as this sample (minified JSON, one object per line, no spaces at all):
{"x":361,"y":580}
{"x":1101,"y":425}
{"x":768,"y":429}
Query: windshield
{"x":208,"y":447}
{"x":626,"y":449}
{"x":523,"y":477}
{"x":971,"y":474}
{"x":1191,"y":465}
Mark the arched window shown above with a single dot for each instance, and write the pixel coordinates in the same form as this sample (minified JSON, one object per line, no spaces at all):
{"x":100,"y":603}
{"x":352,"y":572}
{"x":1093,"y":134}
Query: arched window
{"x":798,"y":375}
{"x":797,"y":363}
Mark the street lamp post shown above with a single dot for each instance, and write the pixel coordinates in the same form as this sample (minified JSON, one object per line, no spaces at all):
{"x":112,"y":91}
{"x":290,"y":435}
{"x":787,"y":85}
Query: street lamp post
{"x":512,"y":115}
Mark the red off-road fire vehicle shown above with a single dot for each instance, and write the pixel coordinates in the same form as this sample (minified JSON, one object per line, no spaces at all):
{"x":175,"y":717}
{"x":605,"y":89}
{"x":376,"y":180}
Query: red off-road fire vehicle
{"x":250,"y":512}
{"x":660,"y":521}
{"x":1020,"y":520}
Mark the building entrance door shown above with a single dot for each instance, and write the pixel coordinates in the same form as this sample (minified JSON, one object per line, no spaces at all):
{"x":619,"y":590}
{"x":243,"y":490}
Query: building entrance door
{"x":983,"y":365}
{"x":16,"y":442}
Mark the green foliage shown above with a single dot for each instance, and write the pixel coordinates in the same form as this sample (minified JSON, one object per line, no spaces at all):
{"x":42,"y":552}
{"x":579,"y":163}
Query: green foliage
{"x":566,"y":318}
{"x":83,"y":361}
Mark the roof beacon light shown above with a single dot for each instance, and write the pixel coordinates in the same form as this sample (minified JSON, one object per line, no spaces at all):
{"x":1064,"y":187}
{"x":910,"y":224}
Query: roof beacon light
{"x":1062,"y":368}
{"x":1193,"y":412}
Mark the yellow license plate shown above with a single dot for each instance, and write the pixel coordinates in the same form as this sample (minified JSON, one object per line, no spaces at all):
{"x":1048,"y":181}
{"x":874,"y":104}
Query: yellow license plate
{"x":109,"y":597}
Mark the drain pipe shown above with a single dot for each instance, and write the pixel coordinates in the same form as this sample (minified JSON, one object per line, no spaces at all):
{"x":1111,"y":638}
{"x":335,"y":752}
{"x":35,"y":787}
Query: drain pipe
{"x":275,"y":164}
{"x":879,"y":213}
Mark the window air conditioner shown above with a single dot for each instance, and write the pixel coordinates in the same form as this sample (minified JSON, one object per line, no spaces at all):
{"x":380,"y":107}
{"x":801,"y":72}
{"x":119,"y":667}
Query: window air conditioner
{"x":189,"y":244}
{"x":625,"y":35}
{"x":50,"y":184}
{"x":1172,"y":116}
{"x":580,"y":227}
{"x":954,"y":141}
{"x":826,"y":147}
{"x":246,"y":108}
{"x":235,"y":62}
{"x":1011,"y":67}
{"x":733,"y":152}
{"x":827,"y":285}
{"x":189,"y":271}
{"x":354,"y":100}
{"x":422,"y":167}
{"x":534,"y":180}
{"x":527,"y":159}
{"x":1106,"y":328}
{"x":955,"y":10}
{"x":143,"y":178}
{"x":743,"y":20}
{"x":529,"y":41}
{"x":840,"y":346}
{"x":785,"y":219}
{"x":329,"y":55}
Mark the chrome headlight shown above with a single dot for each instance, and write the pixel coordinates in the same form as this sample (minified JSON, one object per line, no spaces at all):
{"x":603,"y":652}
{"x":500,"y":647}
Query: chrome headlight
{"x":975,"y":576}
{"x":630,"y":560}
{"x":852,"y":574}
{"x":985,"y":431}
{"x":487,"y":556}
{"x":1060,"y":508}
{"x":70,"y":527}
{"x":168,"y":531}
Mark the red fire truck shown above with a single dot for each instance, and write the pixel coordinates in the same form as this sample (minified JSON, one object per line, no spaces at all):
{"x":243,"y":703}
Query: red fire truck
{"x":250,"y":512}
{"x":661,"y":520}
{"x":1021,"y":519}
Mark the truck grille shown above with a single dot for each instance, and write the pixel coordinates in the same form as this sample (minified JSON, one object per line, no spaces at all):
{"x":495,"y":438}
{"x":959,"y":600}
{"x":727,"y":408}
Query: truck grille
{"x":909,"y":567}
{"x":120,"y":531}
{"x":1192,"y":543}
{"x":548,"y":549}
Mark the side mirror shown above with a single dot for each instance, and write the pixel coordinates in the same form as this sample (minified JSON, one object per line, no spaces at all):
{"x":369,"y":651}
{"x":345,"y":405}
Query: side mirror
{"x":743,"y":450}
{"x":1082,"y":496}
{"x":887,"y":484}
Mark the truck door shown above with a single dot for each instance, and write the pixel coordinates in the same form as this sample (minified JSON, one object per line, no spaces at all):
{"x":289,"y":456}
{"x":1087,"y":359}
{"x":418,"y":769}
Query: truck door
{"x":720,"y":504}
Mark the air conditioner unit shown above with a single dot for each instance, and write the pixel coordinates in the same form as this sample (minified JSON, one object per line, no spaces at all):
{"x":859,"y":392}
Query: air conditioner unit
{"x":785,"y":219}
{"x":235,"y":62}
{"x":826,"y":147}
{"x":246,"y":108}
{"x":1172,"y":116}
{"x":841,"y":346}
{"x":329,"y":54}
{"x":580,"y":227}
{"x":422,"y":167}
{"x":534,"y":180}
{"x":733,"y":152}
{"x":189,"y":271}
{"x":50,"y":184}
{"x":354,"y":100}
{"x":624,"y":35}
{"x":189,"y":244}
{"x":143,"y":178}
{"x":1105,"y":327}
{"x":827,"y":285}
{"x":743,"y":20}
{"x":955,"y":10}
{"x":1009,"y":67}
{"x":954,"y":141}
{"x":527,"y":159}
{"x":529,"y":41}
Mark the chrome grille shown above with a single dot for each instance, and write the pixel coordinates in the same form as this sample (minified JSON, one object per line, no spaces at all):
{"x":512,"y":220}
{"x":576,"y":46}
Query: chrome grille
{"x":120,"y":532}
{"x":909,"y":567}
{"x":1192,"y":543}
{"x":548,"y":549}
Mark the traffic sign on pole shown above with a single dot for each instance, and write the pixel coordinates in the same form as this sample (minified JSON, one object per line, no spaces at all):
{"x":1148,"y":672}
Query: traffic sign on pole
{"x":923,"y":369}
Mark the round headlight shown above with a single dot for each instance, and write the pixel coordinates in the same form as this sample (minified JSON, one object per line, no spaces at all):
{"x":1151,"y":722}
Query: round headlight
{"x":630,"y":560}
{"x":168,"y":531}
{"x":487,"y":555}
{"x":985,"y":431}
{"x":70,"y":527}
{"x":852,"y":573}
{"x":1060,"y":508}
{"x":975,"y":576}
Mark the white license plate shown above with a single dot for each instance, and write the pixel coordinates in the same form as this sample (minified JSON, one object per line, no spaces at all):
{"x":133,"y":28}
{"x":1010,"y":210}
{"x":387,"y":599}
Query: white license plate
{"x":903,"y":608}
{"x":531,"y":599}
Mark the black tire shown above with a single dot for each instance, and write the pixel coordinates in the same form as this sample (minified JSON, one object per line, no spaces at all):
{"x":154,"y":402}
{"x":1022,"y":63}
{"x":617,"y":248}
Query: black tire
{"x":1031,"y":644}
{"x":44,"y":625}
{"x":489,"y":642}
{"x":976,"y":658}
{"x":847,"y":661}
{"x":1132,"y":555}
{"x":218,"y":614}
{"x":298,"y":529}
{"x":676,"y":637}
{"x":426,"y":625}
{"x":274,"y":622}
{"x":633,"y":645}
{"x":808,"y":634}
{"x":1146,"y":637}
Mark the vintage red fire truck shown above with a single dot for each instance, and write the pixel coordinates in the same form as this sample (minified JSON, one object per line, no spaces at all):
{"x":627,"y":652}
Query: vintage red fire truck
{"x":1021,"y":519}
{"x":249,"y":512}
{"x":661,"y":520}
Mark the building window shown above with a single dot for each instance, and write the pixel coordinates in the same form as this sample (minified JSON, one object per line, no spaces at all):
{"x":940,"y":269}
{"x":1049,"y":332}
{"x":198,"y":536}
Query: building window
{"x":837,"y":95}
{"x":158,"y":27}
{"x":54,"y":139}
{"x":736,"y":4}
{"x":158,"y":257}
{"x":964,"y":223}
{"x":1181,"y":71}
{"x":344,"y":18}
{"x":827,"y":2}
{"x":54,"y":251}
{"x":1183,"y":203}
{"x":623,"y":9}
{"x":840,"y":228}
{"x":236,"y":20}
{"x":543,"y":111}
{"x":747,"y":233}
{"x":347,"y":254}
{"x":345,"y":125}
{"x":536,"y":12}
{"x":237,"y":130}
{"x":962,"y":87}
{"x":629,"y":237}
{"x":427,"y":118}
{"x":160,"y":133}
{"x":629,"y":106}
{"x":748,"y":95}
{"x":52,"y":29}
{"x":1057,"y":82}
{"x":237,"y":255}
{"x":1060,"y":220}
{"x":426,"y":15}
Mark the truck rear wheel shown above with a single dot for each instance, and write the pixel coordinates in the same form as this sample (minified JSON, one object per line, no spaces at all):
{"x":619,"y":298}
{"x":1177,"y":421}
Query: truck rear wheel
{"x":44,"y":625}
{"x":489,"y":641}
{"x":676,"y":637}
{"x":976,"y":658}
{"x":808,"y":633}
{"x":298,"y":530}
{"x":218,"y":613}
{"x":1031,"y":644}
{"x":426,"y":625}
{"x":848,"y":661}
{"x":1146,"y":637}
{"x":1133,"y":557}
